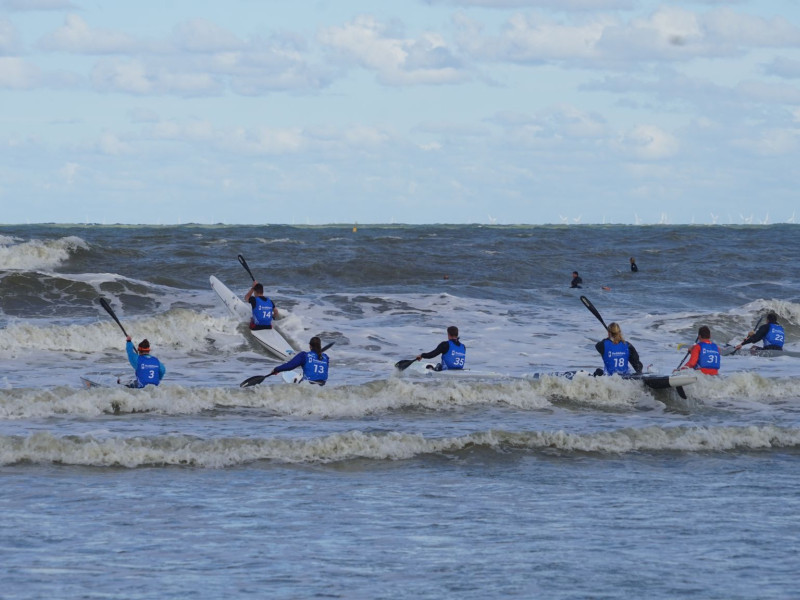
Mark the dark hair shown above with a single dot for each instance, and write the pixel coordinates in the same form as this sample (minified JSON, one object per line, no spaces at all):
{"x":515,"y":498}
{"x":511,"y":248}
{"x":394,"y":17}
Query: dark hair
{"x":258,"y":288}
{"x":316,"y":346}
{"x":144,"y":346}
{"x":452,"y":330}
{"x":772,"y":318}
{"x":704,"y":332}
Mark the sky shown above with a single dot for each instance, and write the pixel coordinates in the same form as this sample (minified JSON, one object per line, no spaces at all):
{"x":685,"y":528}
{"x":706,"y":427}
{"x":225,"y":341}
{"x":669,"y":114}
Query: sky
{"x":399,"y":111}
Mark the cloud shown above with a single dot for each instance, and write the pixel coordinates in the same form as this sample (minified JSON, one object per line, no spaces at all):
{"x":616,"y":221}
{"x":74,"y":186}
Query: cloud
{"x":669,"y":34}
{"x":200,"y":35}
{"x":27,"y":5}
{"x":18,"y":74}
{"x":395,"y":60}
{"x":648,"y":142}
{"x":77,"y":37}
{"x":783,"y":67}
{"x":571,"y":5}
{"x":9,"y":39}
{"x":140,"y":78}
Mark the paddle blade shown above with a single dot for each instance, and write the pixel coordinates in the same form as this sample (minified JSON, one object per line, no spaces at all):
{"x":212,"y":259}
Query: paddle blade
{"x":104,"y":303}
{"x":327,"y":346}
{"x":243,"y":262}
{"x":255,"y":380}
{"x":680,"y":391}
{"x":588,"y":304}
{"x":402,"y":365}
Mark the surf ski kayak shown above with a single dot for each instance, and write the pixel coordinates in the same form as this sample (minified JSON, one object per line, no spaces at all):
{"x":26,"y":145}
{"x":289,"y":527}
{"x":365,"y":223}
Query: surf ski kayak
{"x":270,"y":339}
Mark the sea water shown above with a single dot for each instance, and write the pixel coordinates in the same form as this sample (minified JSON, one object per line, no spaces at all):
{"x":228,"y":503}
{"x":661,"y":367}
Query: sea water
{"x":396,"y":485}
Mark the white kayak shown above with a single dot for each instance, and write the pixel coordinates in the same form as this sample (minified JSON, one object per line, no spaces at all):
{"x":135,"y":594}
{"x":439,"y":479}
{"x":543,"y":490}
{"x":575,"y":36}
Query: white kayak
{"x":657,"y":382}
{"x":429,"y":370}
{"x":270,"y":339}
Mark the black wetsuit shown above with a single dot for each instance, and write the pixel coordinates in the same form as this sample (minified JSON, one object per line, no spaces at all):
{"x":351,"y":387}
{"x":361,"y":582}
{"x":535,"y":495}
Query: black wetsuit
{"x":634,"y":268}
{"x":576,"y":282}
{"x":440,"y":349}
{"x":633,"y":355}
{"x":758,"y":336}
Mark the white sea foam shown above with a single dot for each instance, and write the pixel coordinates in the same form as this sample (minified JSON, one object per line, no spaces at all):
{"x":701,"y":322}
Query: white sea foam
{"x":183,"y":450}
{"x":37,"y":254}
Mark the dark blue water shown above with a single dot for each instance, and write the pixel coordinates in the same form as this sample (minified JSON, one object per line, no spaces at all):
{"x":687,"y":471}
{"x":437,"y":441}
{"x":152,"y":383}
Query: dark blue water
{"x":484,"y":484}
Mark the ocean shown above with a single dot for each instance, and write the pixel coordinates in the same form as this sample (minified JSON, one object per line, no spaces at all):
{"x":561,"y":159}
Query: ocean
{"x":484,"y":484}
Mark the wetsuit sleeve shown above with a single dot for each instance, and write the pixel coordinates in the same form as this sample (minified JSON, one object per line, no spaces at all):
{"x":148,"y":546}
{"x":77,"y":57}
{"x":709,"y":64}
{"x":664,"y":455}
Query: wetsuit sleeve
{"x":694,"y":356}
{"x":297,"y":360}
{"x":633,"y":358}
{"x":252,"y":301}
{"x":133,"y":357}
{"x":161,"y":369}
{"x":440,"y":349}
{"x":758,"y":335}
{"x":600,"y":347}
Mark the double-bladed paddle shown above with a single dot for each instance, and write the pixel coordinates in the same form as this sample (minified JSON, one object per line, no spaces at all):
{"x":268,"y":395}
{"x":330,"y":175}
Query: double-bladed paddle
{"x":104,"y":303}
{"x":755,"y":328}
{"x":588,"y":304}
{"x":402,"y":365}
{"x":246,"y":267}
{"x":256,"y":379}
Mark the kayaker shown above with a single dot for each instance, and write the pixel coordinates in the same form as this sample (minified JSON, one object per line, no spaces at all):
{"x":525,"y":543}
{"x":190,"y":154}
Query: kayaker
{"x":618,"y":355}
{"x":149,"y":370}
{"x":454,"y":353}
{"x":772,"y":334}
{"x":704,"y":355}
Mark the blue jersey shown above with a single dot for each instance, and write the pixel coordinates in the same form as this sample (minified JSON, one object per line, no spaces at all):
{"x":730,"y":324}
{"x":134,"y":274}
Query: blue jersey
{"x":315,"y":369}
{"x":708,"y":357}
{"x":262,"y":311}
{"x":775,"y":336}
{"x":455,"y":356}
{"x":615,"y":357}
{"x":148,"y":371}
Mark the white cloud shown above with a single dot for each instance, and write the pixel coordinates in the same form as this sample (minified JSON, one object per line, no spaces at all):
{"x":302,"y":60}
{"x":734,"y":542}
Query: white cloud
{"x":648,"y":142}
{"x":18,"y":74}
{"x":668,"y":34}
{"x":68,"y":172}
{"x":201,"y":35}
{"x":396,"y":61}
{"x":140,"y":78}
{"x":76,"y":36}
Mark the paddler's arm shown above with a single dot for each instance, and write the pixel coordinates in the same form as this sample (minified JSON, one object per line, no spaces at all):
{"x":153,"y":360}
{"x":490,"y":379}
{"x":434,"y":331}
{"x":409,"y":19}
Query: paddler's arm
{"x":633,"y":359}
{"x":133,"y":356}
{"x":296,"y":361}
{"x":600,"y":347}
{"x":755,"y":337}
{"x":440,"y":349}
{"x":694,"y":356}
{"x":250,"y":292}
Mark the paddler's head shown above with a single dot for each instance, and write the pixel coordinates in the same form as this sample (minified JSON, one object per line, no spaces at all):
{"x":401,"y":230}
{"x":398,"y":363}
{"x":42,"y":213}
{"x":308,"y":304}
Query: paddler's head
{"x":704,"y":333}
{"x":144,"y":347}
{"x":615,"y":333}
{"x":258,"y":289}
{"x":452,"y":332}
{"x":772,"y":318}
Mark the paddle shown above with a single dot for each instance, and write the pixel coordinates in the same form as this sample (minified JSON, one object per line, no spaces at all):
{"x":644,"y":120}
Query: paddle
{"x":256,"y":379}
{"x":246,"y":268}
{"x":755,"y":328}
{"x":402,"y":365}
{"x":588,"y":304}
{"x":104,"y":303}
